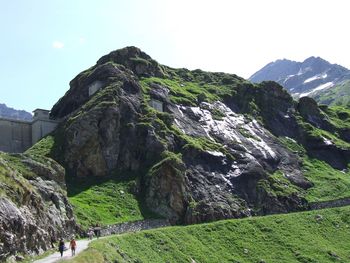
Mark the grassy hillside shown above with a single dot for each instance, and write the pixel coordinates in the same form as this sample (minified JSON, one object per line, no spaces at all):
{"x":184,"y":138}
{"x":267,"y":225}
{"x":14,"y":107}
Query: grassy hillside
{"x":338,"y":95}
{"x":317,"y":236}
{"x":103,"y":201}
{"x":329,"y":183}
{"x":115,"y":199}
{"x":106,"y":201}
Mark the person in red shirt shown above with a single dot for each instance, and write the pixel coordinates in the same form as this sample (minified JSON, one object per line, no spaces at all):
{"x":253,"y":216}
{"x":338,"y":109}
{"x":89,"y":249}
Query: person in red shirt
{"x":73,"y":246}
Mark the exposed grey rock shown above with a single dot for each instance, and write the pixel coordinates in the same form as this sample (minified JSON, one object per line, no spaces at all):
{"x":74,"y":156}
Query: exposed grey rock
{"x":110,"y":132}
{"x":37,"y":214}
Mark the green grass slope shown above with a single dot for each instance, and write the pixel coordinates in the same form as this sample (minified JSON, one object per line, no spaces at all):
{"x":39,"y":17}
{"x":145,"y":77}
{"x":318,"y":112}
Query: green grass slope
{"x":328,"y":182}
{"x":103,"y":201}
{"x":106,"y":201}
{"x":338,"y":95}
{"x":316,"y":236}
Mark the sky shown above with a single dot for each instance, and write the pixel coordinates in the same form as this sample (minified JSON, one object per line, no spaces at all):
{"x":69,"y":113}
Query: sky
{"x":45,"y":43}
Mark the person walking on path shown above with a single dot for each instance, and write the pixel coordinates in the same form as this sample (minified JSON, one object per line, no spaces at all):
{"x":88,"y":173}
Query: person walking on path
{"x":90,"y":234}
{"x":97,"y":230}
{"x":73,"y":246}
{"x":61,"y":246}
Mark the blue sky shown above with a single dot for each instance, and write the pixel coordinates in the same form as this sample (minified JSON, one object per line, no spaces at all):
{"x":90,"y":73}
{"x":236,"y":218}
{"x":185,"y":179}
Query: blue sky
{"x":46,"y":43}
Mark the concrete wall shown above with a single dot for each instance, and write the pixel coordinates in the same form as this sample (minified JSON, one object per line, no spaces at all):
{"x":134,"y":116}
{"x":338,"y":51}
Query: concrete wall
{"x":15,"y":136}
{"x":42,"y":127}
{"x":95,"y":86}
{"x":156,"y":104}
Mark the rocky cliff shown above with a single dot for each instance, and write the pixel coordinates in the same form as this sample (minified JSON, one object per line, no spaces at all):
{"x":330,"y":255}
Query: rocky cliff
{"x":34,"y":209}
{"x":188,"y":146}
{"x":204,"y":146}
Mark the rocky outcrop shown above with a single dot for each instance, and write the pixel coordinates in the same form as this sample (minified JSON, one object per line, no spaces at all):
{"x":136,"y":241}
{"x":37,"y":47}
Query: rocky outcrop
{"x":34,"y":209}
{"x":195,"y":163}
{"x":120,"y":65}
{"x":206,"y":152}
{"x":200,"y":146}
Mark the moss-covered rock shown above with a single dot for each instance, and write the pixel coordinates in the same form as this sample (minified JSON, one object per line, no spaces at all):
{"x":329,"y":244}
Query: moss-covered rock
{"x":220,"y":133}
{"x":34,"y":209}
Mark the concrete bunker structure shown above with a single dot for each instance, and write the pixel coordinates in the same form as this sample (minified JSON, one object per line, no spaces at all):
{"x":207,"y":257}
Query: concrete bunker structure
{"x":156,"y":104}
{"x":16,"y":136}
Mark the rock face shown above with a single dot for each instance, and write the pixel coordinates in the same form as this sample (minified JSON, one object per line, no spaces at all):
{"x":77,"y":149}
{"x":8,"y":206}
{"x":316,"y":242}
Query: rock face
{"x":207,"y":153}
{"x":34,"y":209}
{"x":204,"y":146}
{"x":314,"y":77}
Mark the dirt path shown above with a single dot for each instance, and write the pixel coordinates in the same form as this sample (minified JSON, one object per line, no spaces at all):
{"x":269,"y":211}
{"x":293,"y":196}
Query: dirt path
{"x":81,"y":245}
{"x":151,"y":224}
{"x":107,"y":231}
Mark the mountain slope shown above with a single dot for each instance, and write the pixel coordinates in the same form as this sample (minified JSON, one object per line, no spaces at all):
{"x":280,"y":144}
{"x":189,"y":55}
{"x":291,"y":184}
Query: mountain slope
{"x":11,"y":113}
{"x":336,"y":96}
{"x":139,"y":140}
{"x":312,"y":77}
{"x":210,"y":147}
{"x":34,"y":210}
{"x":317,"y":236}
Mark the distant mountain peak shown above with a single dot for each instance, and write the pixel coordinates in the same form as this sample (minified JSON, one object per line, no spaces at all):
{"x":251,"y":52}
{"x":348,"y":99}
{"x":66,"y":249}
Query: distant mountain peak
{"x":11,"y":113}
{"x":307,"y":78}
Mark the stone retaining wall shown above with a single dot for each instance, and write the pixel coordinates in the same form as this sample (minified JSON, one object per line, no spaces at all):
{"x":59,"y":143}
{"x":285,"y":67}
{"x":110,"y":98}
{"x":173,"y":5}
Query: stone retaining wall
{"x":330,"y":204}
{"x":134,"y":226}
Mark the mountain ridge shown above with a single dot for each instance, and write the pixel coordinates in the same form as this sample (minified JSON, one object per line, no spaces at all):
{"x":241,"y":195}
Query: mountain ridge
{"x":139,"y":140}
{"x":313,"y":77}
{"x":11,"y":113}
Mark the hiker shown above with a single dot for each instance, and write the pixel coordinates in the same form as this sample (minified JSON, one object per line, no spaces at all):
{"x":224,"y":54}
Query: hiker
{"x":73,"y":245}
{"x":61,"y":246}
{"x":97,"y":230}
{"x":90,"y":234}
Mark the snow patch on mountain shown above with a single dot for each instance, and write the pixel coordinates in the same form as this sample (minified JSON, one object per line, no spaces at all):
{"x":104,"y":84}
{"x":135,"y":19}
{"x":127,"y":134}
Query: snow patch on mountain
{"x":323,"y":76}
{"x":318,"y":88}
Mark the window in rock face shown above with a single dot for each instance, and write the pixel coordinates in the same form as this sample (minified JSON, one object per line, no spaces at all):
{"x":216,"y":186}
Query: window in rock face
{"x":156,"y":104}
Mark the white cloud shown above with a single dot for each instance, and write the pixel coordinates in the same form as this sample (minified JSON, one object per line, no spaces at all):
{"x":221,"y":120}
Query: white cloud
{"x":57,"y":44}
{"x":82,"y":40}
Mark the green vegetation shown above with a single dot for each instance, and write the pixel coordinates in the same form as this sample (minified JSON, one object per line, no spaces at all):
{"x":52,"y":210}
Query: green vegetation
{"x":217,"y":114}
{"x":180,"y":93}
{"x":175,"y":160}
{"x":14,"y":163}
{"x":292,"y":145}
{"x":278,"y":185}
{"x":316,"y":236}
{"x":329,"y":183}
{"x":50,"y":146}
{"x":339,"y":117}
{"x":187,"y":92}
{"x":313,"y":133}
{"x":140,"y":60}
{"x":338,"y":95}
{"x":163,"y":125}
{"x":13,"y":178}
{"x":106,"y":200}
{"x":102,"y":99}
{"x":42,"y":147}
